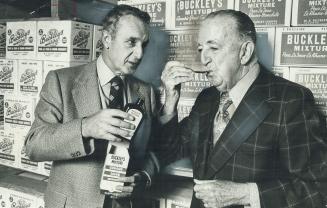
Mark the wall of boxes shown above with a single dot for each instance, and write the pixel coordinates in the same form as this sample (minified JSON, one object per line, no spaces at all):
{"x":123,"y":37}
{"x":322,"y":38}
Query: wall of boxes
{"x":291,"y":41}
{"x":28,"y":51}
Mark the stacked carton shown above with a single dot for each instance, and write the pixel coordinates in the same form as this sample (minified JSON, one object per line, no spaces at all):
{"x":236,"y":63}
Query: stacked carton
{"x":32,"y":49}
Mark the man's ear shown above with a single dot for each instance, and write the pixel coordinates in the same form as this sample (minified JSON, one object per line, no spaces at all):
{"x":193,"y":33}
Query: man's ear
{"x":106,"y":39}
{"x":246,"y":52}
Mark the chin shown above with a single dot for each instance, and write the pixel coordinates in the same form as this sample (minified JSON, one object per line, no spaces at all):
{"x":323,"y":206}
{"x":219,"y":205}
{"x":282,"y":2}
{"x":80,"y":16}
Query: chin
{"x":127,"y":71}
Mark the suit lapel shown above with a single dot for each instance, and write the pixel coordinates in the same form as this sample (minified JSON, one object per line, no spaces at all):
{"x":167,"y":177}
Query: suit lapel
{"x":206,"y":112}
{"x":86,"y":91}
{"x":248,"y":116}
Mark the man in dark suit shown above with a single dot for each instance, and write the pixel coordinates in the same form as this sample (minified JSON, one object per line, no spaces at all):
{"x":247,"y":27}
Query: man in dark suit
{"x":255,"y":139}
{"x":74,"y":121}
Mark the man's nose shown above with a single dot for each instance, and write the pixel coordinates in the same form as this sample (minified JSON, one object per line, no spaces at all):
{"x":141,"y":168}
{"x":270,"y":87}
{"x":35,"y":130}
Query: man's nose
{"x":205,"y":58}
{"x":138,"y":52}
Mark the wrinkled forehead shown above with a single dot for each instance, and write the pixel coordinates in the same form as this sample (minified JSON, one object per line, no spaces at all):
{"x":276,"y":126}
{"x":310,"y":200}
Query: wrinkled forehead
{"x":131,"y":25}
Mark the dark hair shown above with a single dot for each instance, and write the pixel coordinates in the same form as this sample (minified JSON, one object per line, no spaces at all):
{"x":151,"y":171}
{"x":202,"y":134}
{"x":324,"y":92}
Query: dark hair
{"x":244,"y":23}
{"x":112,"y":18}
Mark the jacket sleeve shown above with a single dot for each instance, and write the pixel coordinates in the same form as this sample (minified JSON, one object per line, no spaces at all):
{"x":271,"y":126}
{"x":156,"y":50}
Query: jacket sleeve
{"x":50,"y":138}
{"x":151,"y":165}
{"x":302,"y":155}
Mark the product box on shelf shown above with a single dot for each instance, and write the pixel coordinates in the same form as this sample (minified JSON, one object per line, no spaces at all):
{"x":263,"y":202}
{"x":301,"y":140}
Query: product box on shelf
{"x":282,"y":71}
{"x":29,"y":77}
{"x":266,"y":13}
{"x":265,"y":46}
{"x":183,"y":46}
{"x":53,"y":65}
{"x":191,"y":89}
{"x":4,"y":198}
{"x":97,"y":41}
{"x":21,"y":192}
{"x":7,"y":149}
{"x":8,"y":76}
{"x":21,"y":40}
{"x":316,"y":80}
{"x":18,"y":114}
{"x":2,"y":41}
{"x":159,"y":11}
{"x":184,"y":108}
{"x":64,"y":40}
{"x":306,"y":13}
{"x":301,"y":46}
{"x":189,"y":13}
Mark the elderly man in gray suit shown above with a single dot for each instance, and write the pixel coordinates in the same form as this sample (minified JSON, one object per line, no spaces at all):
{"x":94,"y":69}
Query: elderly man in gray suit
{"x":74,"y":121}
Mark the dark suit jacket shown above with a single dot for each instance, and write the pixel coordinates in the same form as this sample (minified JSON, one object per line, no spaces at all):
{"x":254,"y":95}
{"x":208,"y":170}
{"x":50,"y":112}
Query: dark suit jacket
{"x":67,"y":96}
{"x":275,"y":139}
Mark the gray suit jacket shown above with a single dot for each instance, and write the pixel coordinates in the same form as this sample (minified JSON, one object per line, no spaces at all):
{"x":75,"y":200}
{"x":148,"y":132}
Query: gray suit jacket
{"x":67,"y":96}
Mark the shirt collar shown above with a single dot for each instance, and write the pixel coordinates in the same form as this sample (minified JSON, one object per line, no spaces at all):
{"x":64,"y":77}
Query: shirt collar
{"x":105,"y":74}
{"x":238,"y":91}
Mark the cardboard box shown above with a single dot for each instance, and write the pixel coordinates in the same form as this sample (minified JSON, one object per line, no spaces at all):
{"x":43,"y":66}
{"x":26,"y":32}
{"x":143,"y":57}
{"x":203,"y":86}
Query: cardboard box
{"x":306,"y":13}
{"x":7,"y":149}
{"x":21,"y":40}
{"x":18,"y":114}
{"x":183,"y":46}
{"x":53,"y":65}
{"x":265,"y":46}
{"x":29,"y":78}
{"x":4,"y":198}
{"x":189,"y":13}
{"x":159,"y":11}
{"x":184,"y":108}
{"x":64,"y":41}
{"x":282,"y":71}
{"x":2,"y":41}
{"x":191,"y":89}
{"x":266,"y":13}
{"x":8,"y":76}
{"x":301,"y":46}
{"x":97,"y":41}
{"x":22,"y":192}
{"x":316,"y":80}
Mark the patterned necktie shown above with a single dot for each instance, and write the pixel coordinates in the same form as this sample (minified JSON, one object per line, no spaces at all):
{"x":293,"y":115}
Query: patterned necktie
{"x":115,"y":100}
{"x":222,"y":117}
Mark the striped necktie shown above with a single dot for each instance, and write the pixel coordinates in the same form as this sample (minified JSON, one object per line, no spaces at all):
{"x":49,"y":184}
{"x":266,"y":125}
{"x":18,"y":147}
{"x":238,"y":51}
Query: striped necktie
{"x":116,"y":98}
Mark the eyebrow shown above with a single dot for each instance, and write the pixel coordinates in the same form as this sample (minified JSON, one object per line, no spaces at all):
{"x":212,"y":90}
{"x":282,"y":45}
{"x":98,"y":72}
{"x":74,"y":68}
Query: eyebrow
{"x":210,"y":42}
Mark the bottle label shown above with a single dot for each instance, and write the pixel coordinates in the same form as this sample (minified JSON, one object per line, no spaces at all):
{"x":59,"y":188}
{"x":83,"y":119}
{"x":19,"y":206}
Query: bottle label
{"x":115,"y":166}
{"x":138,"y":117}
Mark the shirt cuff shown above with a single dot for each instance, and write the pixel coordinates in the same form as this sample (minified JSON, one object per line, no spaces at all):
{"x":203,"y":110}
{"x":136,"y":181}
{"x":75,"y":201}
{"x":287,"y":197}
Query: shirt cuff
{"x":253,"y":196}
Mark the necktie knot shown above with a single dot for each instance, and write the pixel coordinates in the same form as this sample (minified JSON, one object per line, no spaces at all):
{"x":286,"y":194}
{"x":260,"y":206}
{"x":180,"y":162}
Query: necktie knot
{"x":115,"y":99}
{"x":225,"y":103}
{"x":116,"y":82}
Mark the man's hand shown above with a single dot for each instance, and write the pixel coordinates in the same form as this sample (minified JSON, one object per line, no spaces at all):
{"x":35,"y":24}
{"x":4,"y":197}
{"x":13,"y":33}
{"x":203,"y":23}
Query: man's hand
{"x":217,"y":193}
{"x":132,"y":184}
{"x":172,"y":76}
{"x":107,"y":124}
